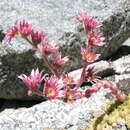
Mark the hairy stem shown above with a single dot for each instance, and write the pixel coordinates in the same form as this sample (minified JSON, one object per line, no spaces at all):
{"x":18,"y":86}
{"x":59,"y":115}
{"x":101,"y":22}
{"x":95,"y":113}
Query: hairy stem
{"x":82,"y":77}
{"x":52,"y":69}
{"x":37,"y":92}
{"x":29,"y":41}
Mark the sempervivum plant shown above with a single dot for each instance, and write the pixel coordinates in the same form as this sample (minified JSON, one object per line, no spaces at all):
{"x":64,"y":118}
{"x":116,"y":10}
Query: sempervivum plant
{"x":61,"y":85}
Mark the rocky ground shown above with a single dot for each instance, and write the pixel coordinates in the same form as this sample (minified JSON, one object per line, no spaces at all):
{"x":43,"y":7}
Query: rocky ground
{"x":21,"y":112}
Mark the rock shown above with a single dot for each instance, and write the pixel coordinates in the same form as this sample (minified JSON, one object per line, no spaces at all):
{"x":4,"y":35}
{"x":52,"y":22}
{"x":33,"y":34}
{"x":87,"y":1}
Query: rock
{"x":116,"y":117}
{"x":10,"y":86}
{"x":124,"y":50}
{"x":123,"y":82}
{"x":15,"y":104}
{"x":122,"y":65}
{"x":54,"y":115}
{"x":2,"y":35}
{"x":121,"y":60}
{"x":57,"y":19}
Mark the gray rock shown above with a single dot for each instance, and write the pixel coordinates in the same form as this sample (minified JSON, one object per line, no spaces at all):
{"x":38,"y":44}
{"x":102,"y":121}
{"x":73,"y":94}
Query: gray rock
{"x":11,"y":87}
{"x":2,"y":35}
{"x":57,"y":19}
{"x":122,"y":65}
{"x":54,"y":115}
{"x":123,"y":51}
{"x":57,"y":115}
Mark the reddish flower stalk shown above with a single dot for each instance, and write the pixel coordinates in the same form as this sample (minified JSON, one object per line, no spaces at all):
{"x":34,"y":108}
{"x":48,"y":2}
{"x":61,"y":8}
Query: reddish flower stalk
{"x":45,"y":59}
{"x":61,"y":85}
{"x":95,"y":88}
{"x":82,"y":77}
{"x":35,"y":92}
{"x":114,"y":89}
{"x":52,"y":69}
{"x":89,"y":23}
{"x":30,"y":42}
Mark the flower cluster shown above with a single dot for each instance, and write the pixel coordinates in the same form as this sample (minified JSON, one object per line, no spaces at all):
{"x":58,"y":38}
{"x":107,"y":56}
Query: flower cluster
{"x":61,"y":85}
{"x":39,"y":40}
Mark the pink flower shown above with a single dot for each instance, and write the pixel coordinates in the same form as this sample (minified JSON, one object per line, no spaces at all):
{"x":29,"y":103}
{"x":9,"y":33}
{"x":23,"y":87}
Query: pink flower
{"x":89,"y":56}
{"x":95,"y":39}
{"x":21,"y":28}
{"x":24,"y":28}
{"x":11,"y":33}
{"x":90,"y":75}
{"x":58,"y":61}
{"x":73,"y":94}
{"x":82,"y":16}
{"x":95,"y":88}
{"x":37,"y":37}
{"x":47,"y":48}
{"x":91,"y":23}
{"x":34,"y":80}
{"x":67,"y":78}
{"x":54,"y":88}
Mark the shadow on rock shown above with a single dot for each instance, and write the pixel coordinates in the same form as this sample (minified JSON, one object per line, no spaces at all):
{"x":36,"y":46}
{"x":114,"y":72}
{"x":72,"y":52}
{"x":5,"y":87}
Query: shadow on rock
{"x":122,"y":51}
{"x":15,"y":104}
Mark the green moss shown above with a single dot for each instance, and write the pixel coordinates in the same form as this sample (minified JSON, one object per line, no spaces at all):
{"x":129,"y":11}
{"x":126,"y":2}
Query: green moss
{"x":114,"y":114}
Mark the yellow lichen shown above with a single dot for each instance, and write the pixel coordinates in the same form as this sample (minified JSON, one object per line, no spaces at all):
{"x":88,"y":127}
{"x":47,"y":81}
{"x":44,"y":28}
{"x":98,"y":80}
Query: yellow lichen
{"x":115,"y":113}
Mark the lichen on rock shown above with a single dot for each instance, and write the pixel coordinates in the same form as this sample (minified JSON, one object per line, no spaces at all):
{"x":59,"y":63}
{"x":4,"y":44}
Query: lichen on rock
{"x":116,"y":116}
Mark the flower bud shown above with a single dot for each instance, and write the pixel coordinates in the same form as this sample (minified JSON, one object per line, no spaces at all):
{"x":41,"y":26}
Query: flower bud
{"x":122,"y":97}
